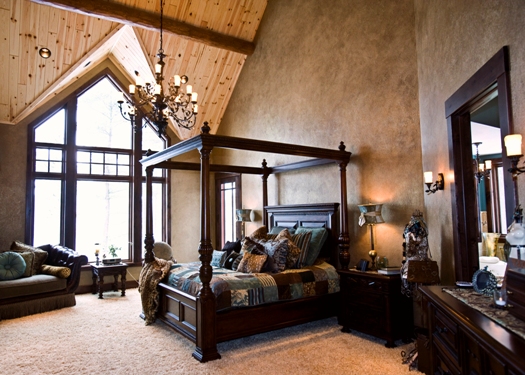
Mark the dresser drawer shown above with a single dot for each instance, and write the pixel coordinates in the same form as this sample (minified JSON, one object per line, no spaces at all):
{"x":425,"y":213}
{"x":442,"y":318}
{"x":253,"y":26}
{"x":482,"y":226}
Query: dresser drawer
{"x":516,"y":292}
{"x":446,"y":331}
{"x":444,"y":363}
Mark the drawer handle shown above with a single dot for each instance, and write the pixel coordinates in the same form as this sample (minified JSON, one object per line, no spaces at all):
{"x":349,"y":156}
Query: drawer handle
{"x":371,"y":283}
{"x":509,"y":306}
{"x":442,"y":329}
{"x":510,"y":292}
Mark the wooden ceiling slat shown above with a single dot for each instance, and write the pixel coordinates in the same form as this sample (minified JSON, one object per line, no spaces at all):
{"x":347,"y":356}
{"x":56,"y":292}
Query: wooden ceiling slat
{"x":73,"y":38}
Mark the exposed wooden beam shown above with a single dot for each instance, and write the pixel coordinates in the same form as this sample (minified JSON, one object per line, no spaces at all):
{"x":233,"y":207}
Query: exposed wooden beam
{"x":136,"y":17}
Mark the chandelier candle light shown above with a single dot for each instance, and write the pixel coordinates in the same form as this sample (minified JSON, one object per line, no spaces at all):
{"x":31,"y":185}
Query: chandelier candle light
{"x":158,"y":104}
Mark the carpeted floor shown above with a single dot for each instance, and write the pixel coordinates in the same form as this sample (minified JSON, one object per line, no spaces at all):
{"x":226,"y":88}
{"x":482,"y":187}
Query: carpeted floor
{"x":108,"y":337}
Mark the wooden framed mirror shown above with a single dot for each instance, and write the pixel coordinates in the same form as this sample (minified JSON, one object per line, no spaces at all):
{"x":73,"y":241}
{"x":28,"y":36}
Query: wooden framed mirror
{"x":490,"y":81}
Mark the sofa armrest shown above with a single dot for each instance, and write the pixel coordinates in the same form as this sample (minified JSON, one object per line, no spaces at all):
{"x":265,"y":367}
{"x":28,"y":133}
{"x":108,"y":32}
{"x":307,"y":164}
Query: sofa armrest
{"x":65,"y":257}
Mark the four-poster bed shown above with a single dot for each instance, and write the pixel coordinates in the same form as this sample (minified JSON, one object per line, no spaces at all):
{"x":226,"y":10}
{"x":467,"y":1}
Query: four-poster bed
{"x":196,"y":317}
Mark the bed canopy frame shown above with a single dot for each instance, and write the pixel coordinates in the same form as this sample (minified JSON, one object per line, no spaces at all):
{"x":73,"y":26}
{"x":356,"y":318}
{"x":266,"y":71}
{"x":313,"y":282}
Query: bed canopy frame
{"x":204,"y":332}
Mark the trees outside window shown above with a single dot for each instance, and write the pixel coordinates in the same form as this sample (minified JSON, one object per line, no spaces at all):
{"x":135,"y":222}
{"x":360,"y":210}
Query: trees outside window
{"x":85,"y":184}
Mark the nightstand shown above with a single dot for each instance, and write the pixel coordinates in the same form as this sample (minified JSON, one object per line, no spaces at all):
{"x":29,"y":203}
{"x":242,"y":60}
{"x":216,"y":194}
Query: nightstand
{"x":107,"y":270}
{"x":372,"y":303}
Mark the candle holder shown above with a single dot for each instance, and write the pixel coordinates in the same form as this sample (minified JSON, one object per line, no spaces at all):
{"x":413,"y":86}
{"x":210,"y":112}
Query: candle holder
{"x":98,"y":261}
{"x":500,"y":298}
{"x":373,"y":255}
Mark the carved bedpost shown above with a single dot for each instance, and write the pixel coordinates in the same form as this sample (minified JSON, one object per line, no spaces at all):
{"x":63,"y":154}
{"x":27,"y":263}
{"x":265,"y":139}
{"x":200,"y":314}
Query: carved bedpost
{"x":344,"y":239}
{"x":148,"y":239}
{"x":206,"y":340}
{"x":265,"y":175}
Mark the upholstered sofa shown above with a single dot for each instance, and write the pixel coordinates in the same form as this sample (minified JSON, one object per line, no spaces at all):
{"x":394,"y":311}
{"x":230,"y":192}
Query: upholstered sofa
{"x":43,"y":287}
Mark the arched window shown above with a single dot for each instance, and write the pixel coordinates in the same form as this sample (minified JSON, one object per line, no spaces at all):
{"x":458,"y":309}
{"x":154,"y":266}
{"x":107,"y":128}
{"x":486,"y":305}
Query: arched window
{"x":85,"y":184}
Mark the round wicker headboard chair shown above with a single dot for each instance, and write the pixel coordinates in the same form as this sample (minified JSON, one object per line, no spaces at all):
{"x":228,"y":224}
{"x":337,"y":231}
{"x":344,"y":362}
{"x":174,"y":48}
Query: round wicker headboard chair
{"x":204,"y":330}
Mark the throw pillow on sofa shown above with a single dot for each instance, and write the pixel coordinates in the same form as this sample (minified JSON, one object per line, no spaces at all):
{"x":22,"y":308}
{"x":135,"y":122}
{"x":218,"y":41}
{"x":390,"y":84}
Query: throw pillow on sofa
{"x":12,"y":266}
{"x":40,"y":255}
{"x":58,"y":271}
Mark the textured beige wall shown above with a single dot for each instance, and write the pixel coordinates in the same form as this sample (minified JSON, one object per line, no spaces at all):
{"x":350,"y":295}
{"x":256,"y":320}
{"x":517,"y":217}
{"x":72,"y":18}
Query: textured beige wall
{"x":454,"y":39}
{"x":331,"y":71}
{"x":13,"y":146}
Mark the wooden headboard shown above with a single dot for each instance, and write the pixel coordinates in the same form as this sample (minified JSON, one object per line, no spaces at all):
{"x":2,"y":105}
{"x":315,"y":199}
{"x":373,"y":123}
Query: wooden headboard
{"x":319,"y":215}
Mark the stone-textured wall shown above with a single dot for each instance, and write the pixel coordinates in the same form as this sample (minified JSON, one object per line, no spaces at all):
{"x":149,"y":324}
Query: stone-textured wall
{"x":331,"y":71}
{"x":454,"y":39}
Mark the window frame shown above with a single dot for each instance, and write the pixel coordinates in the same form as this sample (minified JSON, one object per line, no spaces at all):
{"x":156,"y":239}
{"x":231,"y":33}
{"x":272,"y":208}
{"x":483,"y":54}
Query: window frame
{"x":221,"y":178}
{"x":69,"y":175}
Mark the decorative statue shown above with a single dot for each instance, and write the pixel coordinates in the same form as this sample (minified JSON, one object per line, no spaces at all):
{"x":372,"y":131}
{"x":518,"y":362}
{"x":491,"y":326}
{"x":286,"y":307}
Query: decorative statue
{"x":418,"y":266}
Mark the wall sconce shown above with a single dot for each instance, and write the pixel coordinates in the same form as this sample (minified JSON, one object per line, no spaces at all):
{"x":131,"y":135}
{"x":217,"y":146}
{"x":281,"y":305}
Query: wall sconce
{"x":439,"y":184}
{"x":482,"y":169}
{"x":513,"y":146}
{"x":371,"y":215}
{"x":244,"y":215}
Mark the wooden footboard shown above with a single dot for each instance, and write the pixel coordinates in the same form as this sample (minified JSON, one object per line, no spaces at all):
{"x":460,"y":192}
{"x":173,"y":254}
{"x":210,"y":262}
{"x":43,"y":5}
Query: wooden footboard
{"x":179,"y":311}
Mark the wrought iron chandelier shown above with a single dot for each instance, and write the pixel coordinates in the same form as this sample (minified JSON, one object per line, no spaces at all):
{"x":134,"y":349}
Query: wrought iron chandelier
{"x":482,"y":170}
{"x":176,"y":102}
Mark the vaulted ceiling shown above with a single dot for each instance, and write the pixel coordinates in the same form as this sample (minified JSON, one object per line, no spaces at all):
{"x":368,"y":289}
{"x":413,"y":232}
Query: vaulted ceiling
{"x":207,"y":40}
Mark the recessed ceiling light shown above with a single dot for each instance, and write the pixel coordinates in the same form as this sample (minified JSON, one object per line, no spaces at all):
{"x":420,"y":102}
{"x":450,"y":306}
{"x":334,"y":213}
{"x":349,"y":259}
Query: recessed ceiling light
{"x":45,"y":53}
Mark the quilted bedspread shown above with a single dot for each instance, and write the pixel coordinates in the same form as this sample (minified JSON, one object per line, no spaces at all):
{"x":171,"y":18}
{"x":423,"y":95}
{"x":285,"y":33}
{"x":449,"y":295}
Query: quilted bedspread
{"x":237,"y":289}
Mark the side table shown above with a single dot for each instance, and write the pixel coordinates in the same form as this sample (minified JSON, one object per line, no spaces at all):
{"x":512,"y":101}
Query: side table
{"x":372,"y":303}
{"x":104,"y":270}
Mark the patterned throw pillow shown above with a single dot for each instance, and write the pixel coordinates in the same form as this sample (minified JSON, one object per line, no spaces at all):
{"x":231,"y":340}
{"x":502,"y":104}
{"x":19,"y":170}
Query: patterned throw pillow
{"x":228,"y":263}
{"x":302,"y":240}
{"x":12,"y":265}
{"x":29,"y":258}
{"x":319,"y":236}
{"x":60,"y":272}
{"x":235,"y":264}
{"x":275,"y":250}
{"x":293,"y":250}
{"x":259,"y":234}
{"x":40,"y":255}
{"x":251,"y":263}
{"x":218,"y":258}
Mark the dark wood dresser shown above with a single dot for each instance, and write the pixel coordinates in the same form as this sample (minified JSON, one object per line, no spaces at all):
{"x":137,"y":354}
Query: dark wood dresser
{"x":464,"y":341}
{"x":373,"y":304}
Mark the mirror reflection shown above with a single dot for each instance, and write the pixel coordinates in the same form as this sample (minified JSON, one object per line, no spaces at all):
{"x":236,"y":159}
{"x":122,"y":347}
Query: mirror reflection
{"x":488,"y":175}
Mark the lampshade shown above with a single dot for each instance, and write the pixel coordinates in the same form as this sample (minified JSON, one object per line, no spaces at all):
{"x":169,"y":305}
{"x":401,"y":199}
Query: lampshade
{"x":370,"y":214}
{"x":245,"y":215}
{"x":513,"y":144}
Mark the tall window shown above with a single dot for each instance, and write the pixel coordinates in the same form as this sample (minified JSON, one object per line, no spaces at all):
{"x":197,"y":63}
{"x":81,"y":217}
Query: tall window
{"x":227,"y":201}
{"x":82,"y":188}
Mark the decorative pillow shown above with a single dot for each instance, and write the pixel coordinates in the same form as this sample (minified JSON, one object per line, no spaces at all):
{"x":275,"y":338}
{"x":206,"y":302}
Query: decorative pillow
{"x":12,"y":265}
{"x":29,"y":258}
{"x":162,"y":250}
{"x":60,"y":272}
{"x":251,"y":263}
{"x":259,"y":234}
{"x":319,"y":236}
{"x":293,"y":250}
{"x":232,"y":246}
{"x":235,"y":264}
{"x":302,"y":241}
{"x":277,"y":230}
{"x":40,"y":255}
{"x":277,"y":251}
{"x":228,"y":263}
{"x":218,"y":258}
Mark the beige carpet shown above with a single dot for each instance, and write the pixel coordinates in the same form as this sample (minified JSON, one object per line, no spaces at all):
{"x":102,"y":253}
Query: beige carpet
{"x":108,"y":337}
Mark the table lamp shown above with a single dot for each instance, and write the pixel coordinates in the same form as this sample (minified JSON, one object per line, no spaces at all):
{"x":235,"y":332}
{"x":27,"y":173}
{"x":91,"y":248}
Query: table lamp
{"x":244,"y":215}
{"x":371,"y":215}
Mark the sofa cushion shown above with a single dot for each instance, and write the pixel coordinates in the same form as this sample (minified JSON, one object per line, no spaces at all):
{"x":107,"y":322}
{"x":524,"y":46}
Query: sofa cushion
{"x":60,"y":272}
{"x":35,"y":284}
{"x":12,"y":266}
{"x":40,"y":255}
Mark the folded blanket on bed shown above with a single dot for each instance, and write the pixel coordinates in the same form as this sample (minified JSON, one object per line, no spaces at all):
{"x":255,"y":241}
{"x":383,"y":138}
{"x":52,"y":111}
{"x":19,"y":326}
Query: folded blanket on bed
{"x":237,"y":289}
{"x":150,"y":276}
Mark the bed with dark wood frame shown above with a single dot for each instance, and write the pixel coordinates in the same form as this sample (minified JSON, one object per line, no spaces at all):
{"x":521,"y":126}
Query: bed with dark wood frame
{"x":196,"y":317}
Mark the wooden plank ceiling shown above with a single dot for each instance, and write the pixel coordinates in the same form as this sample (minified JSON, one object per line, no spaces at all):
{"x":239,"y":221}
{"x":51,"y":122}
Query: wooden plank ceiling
{"x":207,"y":40}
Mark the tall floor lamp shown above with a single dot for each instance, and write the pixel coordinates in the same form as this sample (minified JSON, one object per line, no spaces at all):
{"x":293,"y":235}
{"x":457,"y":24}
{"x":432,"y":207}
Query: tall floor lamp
{"x":244,"y":215}
{"x":371,"y":215}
